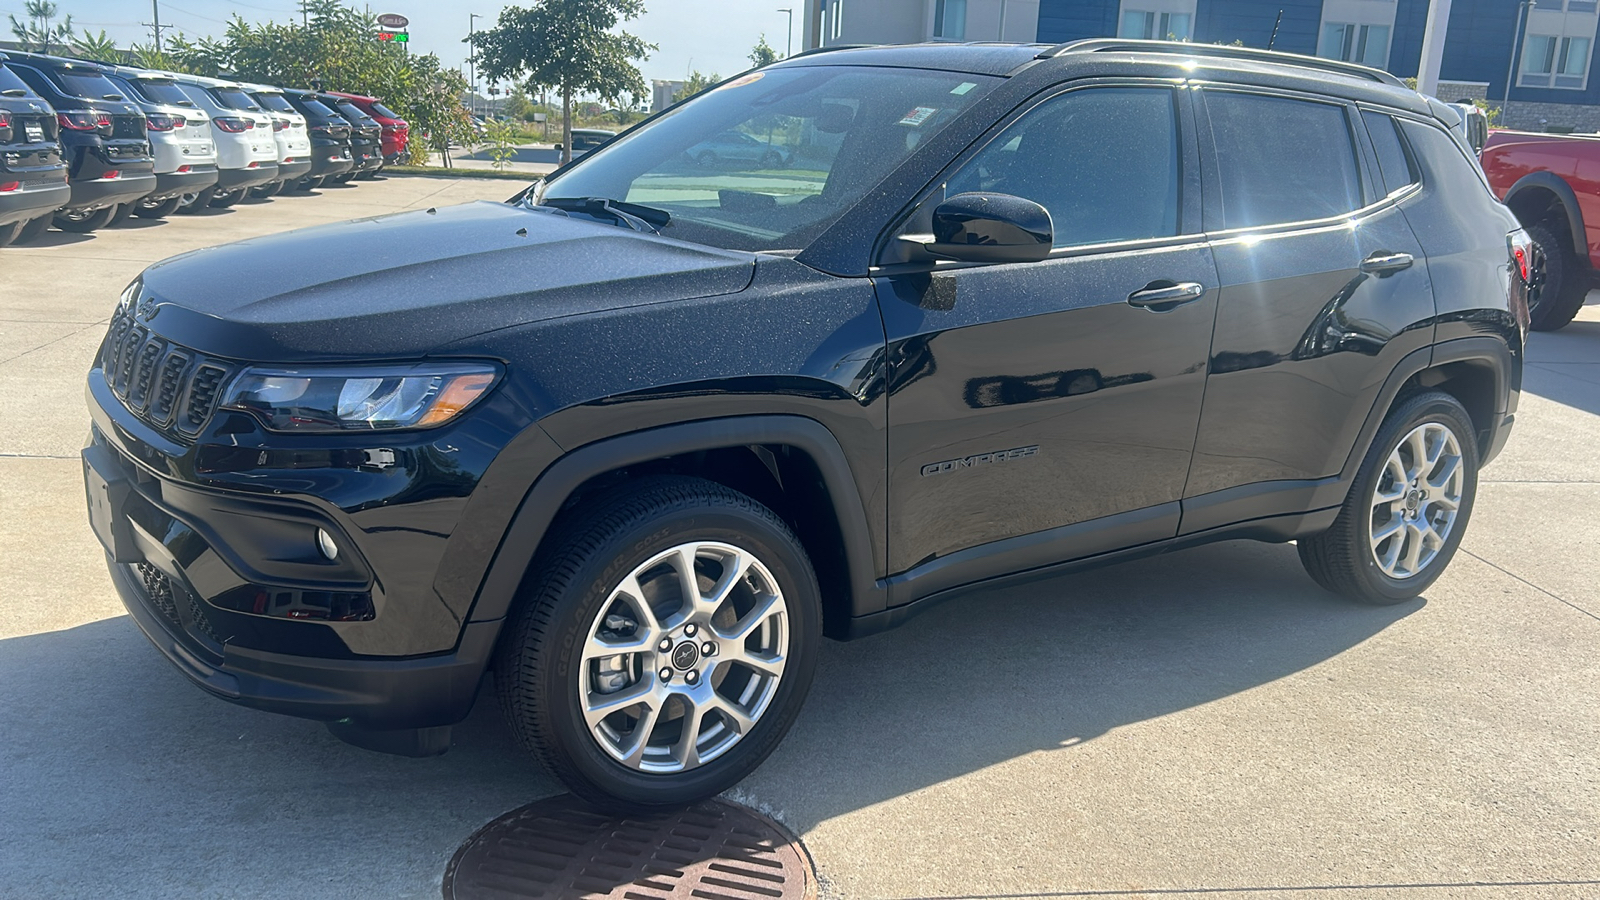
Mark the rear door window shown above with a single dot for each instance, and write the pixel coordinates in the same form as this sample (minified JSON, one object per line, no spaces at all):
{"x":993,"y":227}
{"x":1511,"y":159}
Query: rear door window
{"x":1102,"y":161}
{"x":10,"y":82}
{"x":1395,"y":167}
{"x":1281,"y":159}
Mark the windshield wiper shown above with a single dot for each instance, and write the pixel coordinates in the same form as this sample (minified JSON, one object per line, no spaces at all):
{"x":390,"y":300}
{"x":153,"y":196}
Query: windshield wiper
{"x":633,"y":215}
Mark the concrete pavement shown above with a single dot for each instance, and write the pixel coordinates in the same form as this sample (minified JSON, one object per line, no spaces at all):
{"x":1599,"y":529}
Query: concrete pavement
{"x":1208,"y":722}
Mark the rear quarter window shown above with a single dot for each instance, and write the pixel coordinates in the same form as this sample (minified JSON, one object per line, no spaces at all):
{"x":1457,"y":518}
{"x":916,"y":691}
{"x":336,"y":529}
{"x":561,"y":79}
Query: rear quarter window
{"x":1282,"y":160}
{"x":1395,"y":166}
{"x":10,"y":82}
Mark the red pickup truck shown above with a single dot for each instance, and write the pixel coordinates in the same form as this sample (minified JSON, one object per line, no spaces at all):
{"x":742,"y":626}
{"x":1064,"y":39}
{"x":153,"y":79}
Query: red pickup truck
{"x":1552,"y":183}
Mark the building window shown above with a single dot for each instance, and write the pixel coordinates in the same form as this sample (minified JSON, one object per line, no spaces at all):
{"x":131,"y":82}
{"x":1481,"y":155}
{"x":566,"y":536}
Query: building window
{"x":950,"y":19}
{"x":1155,"y":26}
{"x":1351,"y":42}
{"x":1558,"y":62}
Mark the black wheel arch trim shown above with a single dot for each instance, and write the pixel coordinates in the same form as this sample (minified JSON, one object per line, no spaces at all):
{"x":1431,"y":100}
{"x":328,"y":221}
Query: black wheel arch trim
{"x":545,"y":499}
{"x":1554,"y":183}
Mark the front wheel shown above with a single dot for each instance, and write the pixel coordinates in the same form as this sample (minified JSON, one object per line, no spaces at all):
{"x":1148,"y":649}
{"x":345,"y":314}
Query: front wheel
{"x":1408,"y":508}
{"x":663,"y":649}
{"x":1564,"y":282}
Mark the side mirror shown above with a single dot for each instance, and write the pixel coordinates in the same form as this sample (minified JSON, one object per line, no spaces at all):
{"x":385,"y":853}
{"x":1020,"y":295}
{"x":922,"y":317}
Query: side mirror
{"x":984,"y":227}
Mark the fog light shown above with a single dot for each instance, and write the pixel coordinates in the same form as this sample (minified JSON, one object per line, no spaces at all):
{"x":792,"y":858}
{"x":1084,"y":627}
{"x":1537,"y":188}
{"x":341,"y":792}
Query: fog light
{"x":326,"y":545}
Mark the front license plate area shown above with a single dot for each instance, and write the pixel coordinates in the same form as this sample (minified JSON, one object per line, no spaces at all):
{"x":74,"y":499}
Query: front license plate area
{"x":107,"y":493}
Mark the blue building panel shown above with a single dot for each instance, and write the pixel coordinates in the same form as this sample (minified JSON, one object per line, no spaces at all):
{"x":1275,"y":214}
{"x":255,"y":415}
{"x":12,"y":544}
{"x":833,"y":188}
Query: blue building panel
{"x":1478,"y":47}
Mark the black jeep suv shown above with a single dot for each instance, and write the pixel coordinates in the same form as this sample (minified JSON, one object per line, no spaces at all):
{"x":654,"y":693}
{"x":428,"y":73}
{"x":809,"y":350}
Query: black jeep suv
{"x":639,"y":438}
{"x":33,"y":178}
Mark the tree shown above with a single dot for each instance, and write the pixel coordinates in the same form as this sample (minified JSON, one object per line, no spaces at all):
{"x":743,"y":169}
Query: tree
{"x":517,"y":105}
{"x":695,"y":84}
{"x":99,"y":47}
{"x":39,"y":29}
{"x":568,"y":46}
{"x":148,"y":57}
{"x":763,"y":54}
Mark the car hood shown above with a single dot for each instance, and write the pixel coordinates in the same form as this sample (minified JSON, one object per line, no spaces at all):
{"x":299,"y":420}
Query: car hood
{"x":408,"y":283}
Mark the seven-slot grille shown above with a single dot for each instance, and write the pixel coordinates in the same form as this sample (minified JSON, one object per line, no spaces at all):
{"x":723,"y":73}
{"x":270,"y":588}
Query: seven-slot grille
{"x":171,"y":387}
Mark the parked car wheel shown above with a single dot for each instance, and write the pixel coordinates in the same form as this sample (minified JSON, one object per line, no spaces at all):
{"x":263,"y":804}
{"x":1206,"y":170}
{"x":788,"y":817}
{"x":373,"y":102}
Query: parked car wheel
{"x":267,"y":190}
{"x":343,"y":178}
{"x":1407,"y":509}
{"x":664,"y":647}
{"x":189,"y":204}
{"x":310,"y":183}
{"x":83,"y":221}
{"x":32,"y":230}
{"x":123,"y":213}
{"x":159,"y":209}
{"x":1565,"y":280}
{"x":223,"y":201}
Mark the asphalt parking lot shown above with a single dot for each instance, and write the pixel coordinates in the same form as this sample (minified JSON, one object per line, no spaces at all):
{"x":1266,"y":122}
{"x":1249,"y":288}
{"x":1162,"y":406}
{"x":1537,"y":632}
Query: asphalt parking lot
{"x":1205,"y":723}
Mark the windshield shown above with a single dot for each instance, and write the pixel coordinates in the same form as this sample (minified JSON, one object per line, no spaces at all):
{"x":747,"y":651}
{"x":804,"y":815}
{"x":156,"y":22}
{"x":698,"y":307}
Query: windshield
{"x":771,"y":159}
{"x":10,"y":82}
{"x":89,"y":85}
{"x":385,"y":111}
{"x":275,"y":102}
{"x":233,"y":98}
{"x":161,"y":91}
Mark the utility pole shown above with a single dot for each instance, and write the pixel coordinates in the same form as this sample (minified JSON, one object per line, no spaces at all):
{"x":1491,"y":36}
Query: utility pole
{"x":472,"y":34}
{"x":1516,"y":51}
{"x":1433,"y":47}
{"x":156,"y":27}
{"x":788,"y":46}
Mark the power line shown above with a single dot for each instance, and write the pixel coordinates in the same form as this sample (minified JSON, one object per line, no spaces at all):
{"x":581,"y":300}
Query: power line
{"x":155,"y":27}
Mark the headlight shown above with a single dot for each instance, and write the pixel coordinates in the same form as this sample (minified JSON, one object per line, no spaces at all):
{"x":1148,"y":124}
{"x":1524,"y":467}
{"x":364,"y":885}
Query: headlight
{"x":359,"y":398}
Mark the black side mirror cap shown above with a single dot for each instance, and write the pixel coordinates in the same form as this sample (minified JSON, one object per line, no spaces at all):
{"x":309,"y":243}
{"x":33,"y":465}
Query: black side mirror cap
{"x":987,"y":227}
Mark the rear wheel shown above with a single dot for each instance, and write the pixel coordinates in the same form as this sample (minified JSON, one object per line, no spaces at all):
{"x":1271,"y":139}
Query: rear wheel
{"x":32,"y":230}
{"x":83,"y":221}
{"x":189,"y":204}
{"x":223,"y":201}
{"x":157,"y":209}
{"x":664,"y":647}
{"x":267,"y":190}
{"x":1565,"y":280}
{"x":1408,"y":508}
{"x":123,"y":213}
{"x":311,"y":183}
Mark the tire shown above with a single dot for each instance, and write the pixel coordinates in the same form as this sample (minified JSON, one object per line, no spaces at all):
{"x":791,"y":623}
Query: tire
{"x":124,"y":213}
{"x":1565,"y":280}
{"x":343,"y":178}
{"x":223,"y":201}
{"x":266,"y":190}
{"x":84,"y":221}
{"x":541,"y":666}
{"x":1345,"y":560}
{"x":189,"y":204}
{"x":32,"y":230}
{"x":158,"y":210}
{"x":311,"y":184}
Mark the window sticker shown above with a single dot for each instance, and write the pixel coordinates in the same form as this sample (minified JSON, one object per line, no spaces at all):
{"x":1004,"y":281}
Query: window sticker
{"x":918,"y":115}
{"x":963,"y":87}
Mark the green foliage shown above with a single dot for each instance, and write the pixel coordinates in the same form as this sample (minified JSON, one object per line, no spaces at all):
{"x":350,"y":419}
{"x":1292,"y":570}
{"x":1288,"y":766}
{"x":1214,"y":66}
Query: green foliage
{"x":206,"y":56}
{"x":99,"y":47}
{"x":38,"y":30}
{"x":568,"y":46}
{"x":517,"y":104}
{"x":146,"y":57}
{"x":694,"y":84}
{"x":503,"y":137}
{"x":763,"y":54}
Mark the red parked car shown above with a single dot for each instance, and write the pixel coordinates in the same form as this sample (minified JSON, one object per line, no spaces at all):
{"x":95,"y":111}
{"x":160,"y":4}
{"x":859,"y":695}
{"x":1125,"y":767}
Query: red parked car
{"x":396,"y":132}
{"x":1552,"y":183}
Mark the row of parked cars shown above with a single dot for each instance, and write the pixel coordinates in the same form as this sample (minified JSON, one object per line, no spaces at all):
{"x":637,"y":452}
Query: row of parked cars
{"x":84,"y":145}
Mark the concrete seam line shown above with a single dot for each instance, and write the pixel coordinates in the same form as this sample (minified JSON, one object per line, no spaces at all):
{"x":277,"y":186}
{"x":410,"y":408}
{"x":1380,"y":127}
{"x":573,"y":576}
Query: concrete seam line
{"x":1541,"y":590}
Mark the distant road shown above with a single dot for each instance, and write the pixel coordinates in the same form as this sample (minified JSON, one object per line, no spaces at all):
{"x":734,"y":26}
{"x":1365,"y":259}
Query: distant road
{"x":520,"y":154}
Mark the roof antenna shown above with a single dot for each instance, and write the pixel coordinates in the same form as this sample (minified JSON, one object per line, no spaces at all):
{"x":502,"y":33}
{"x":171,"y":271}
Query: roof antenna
{"x":1274,"y":38}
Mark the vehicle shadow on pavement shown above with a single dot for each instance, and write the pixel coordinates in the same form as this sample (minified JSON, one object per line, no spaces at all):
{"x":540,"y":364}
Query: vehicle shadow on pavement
{"x":97,"y":731}
{"x":1564,"y":366}
{"x":1049,"y":665}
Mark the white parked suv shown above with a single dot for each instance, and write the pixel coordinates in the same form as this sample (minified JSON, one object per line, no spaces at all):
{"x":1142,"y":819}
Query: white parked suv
{"x":247,"y":154}
{"x":289,"y":131}
{"x":180,"y":139}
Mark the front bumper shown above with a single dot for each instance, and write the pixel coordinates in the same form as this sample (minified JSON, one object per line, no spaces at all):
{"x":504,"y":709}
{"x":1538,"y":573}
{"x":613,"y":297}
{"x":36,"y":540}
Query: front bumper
{"x":162,"y":568}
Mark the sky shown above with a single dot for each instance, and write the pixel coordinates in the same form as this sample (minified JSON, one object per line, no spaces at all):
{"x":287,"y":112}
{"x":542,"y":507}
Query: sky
{"x":707,"y":35}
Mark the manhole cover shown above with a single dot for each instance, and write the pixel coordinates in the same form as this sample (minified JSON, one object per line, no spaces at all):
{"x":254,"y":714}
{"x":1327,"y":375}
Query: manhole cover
{"x":562,"y":848}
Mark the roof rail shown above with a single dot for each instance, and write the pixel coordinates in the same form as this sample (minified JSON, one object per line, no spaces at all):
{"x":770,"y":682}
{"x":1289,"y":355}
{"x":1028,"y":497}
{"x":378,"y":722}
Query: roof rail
{"x":1221,"y":51}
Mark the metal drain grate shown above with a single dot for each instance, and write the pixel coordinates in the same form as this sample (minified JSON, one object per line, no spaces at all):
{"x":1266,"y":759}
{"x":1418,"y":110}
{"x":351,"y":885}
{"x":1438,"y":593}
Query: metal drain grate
{"x":562,"y":849}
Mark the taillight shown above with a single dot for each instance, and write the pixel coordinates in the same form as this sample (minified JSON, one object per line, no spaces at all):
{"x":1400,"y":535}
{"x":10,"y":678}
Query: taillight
{"x":233,"y":124}
{"x":1521,"y":247}
{"x":5,"y":127}
{"x":7,"y":187}
{"x":82,"y":120}
{"x":158,"y":122}
{"x":1525,"y":287}
{"x":280,"y":124}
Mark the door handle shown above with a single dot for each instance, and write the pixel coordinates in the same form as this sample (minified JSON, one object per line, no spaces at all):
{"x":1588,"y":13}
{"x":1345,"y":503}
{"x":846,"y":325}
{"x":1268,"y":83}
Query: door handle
{"x":1381,"y":263}
{"x":1160,"y":296}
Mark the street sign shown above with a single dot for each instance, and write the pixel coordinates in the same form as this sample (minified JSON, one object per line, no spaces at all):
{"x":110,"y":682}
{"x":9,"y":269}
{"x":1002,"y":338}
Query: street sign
{"x":393,"y":20}
{"x":399,"y":37}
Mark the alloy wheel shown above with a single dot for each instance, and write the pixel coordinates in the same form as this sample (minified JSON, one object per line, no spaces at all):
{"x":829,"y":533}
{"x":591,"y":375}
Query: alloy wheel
{"x":684,"y":657}
{"x":1416,"y":500}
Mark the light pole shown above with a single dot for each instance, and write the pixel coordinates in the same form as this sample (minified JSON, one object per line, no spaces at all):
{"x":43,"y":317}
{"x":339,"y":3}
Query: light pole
{"x":1516,"y":51}
{"x":472,"y":33}
{"x":788,"y":46}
